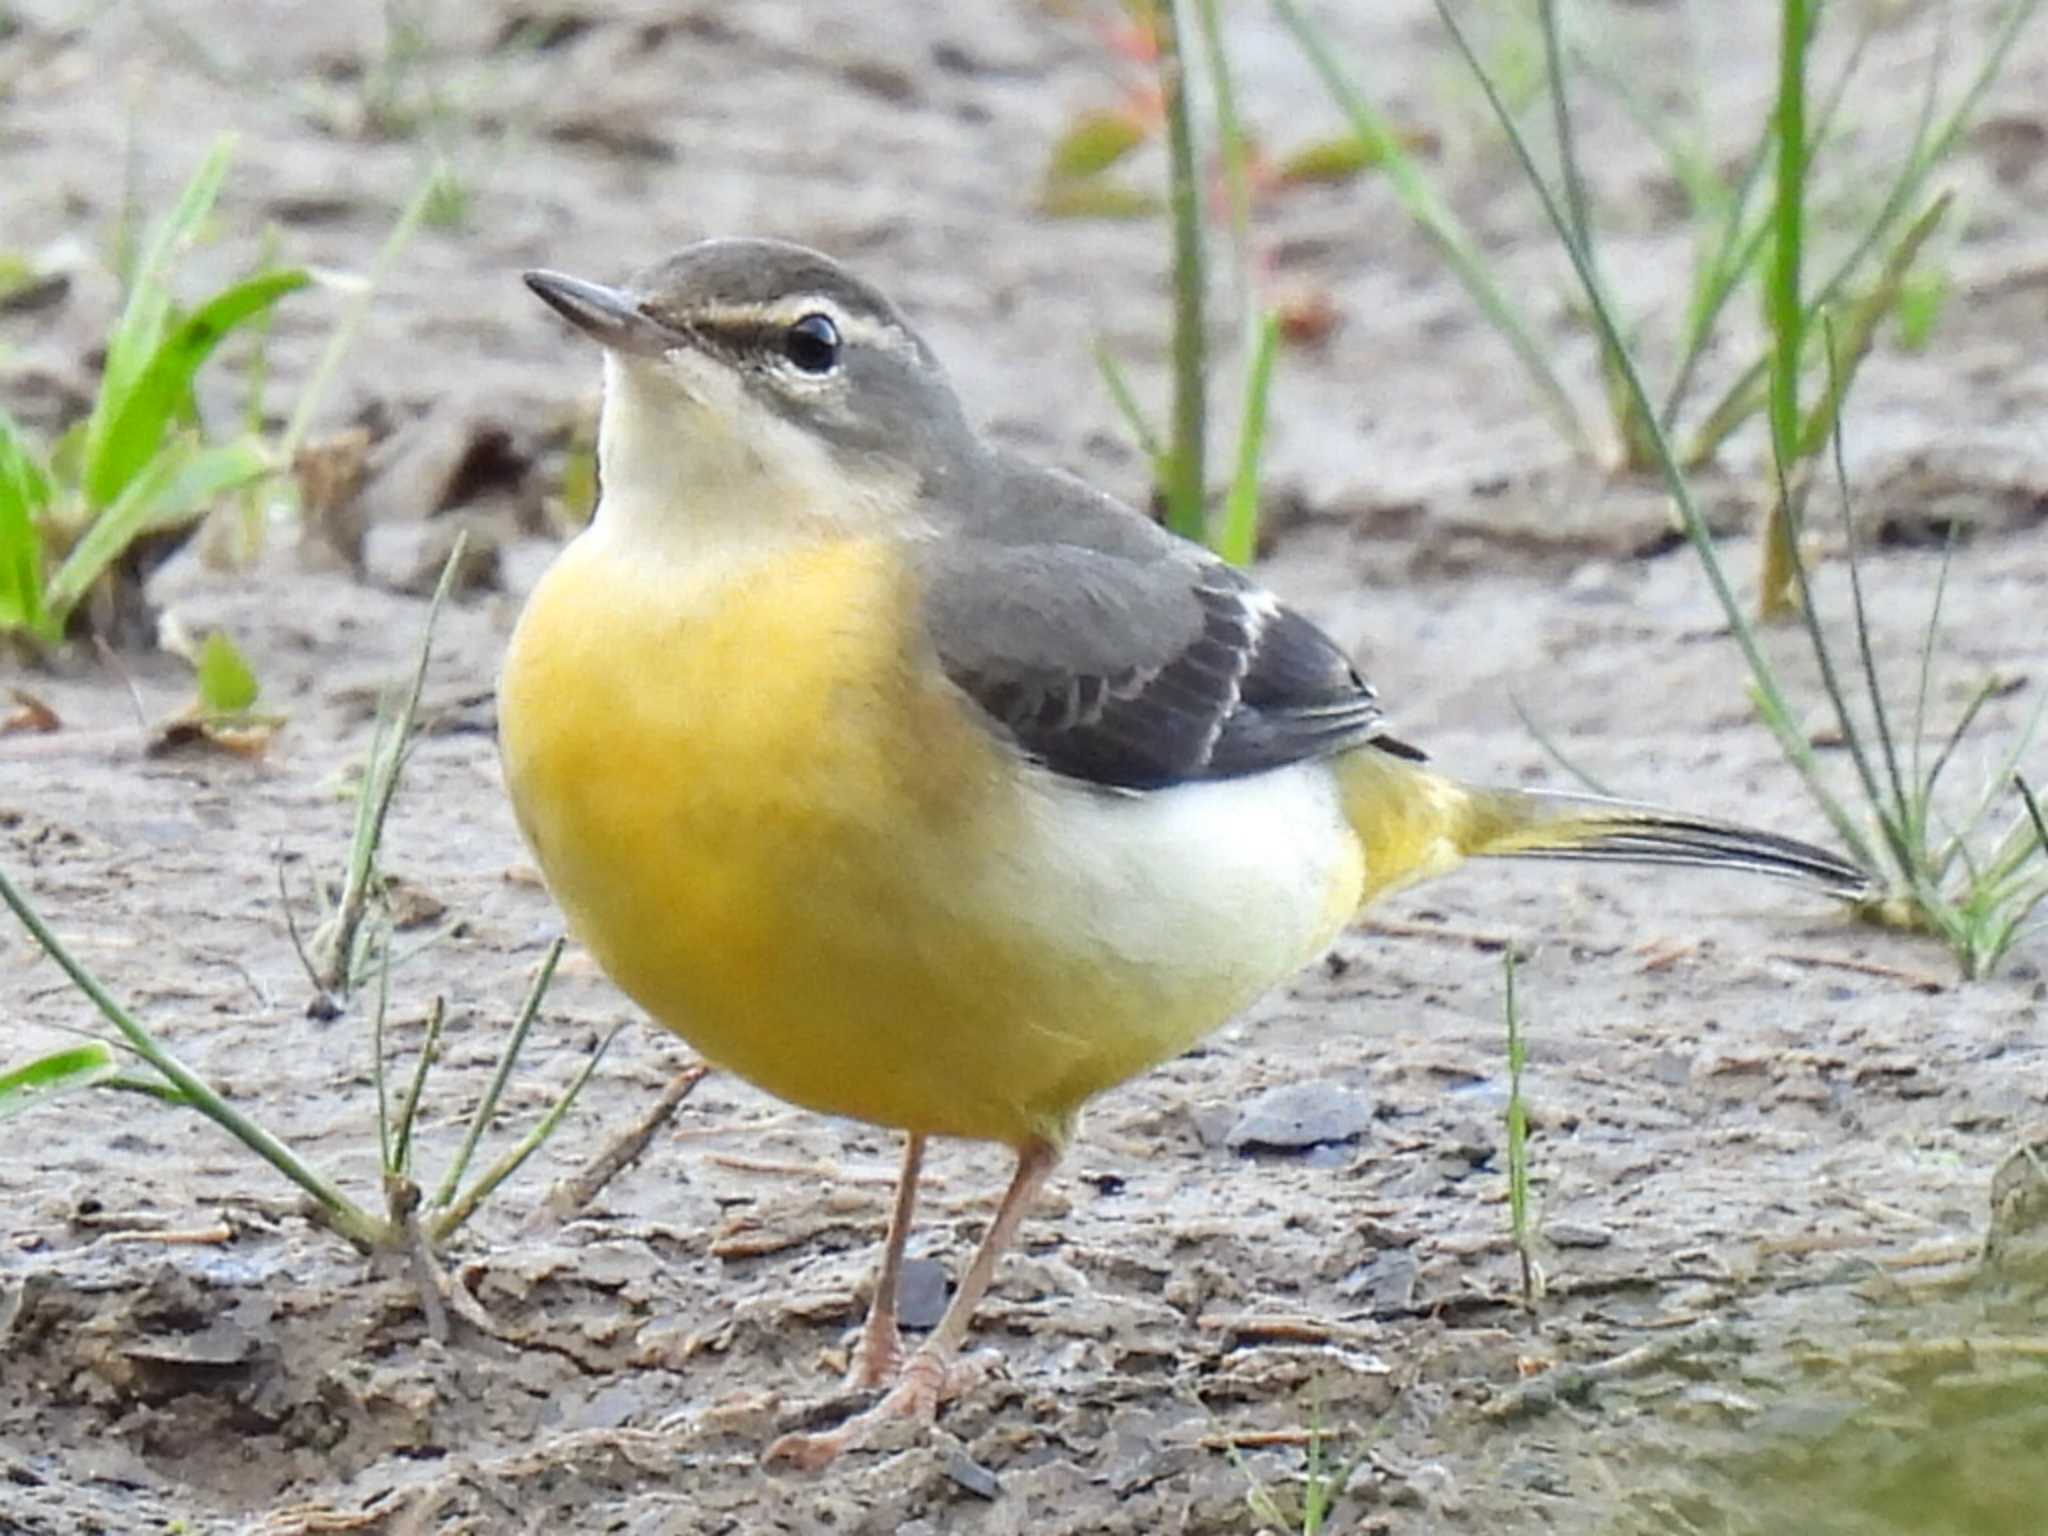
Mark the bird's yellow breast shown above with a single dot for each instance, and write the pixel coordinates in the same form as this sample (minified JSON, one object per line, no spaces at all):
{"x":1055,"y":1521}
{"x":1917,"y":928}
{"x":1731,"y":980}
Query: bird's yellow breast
{"x":778,"y":827}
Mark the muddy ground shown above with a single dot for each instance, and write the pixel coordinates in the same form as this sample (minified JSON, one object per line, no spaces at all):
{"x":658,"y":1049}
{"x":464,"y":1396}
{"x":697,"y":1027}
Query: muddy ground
{"x":1765,"y":1140}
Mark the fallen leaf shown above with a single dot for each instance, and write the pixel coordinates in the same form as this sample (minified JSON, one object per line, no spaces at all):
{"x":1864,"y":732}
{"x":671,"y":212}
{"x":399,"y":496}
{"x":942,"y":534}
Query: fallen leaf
{"x":246,"y":736}
{"x":1096,"y":199}
{"x":1307,"y":316}
{"x":227,"y":685}
{"x":1094,"y":142}
{"x":29,"y":714}
{"x":1335,"y":161}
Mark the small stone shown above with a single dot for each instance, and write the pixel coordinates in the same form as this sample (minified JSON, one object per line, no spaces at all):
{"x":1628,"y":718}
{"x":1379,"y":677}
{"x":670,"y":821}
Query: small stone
{"x":1296,"y":1116}
{"x":1386,"y":1281}
{"x":1595,"y":581}
{"x":1577,"y":1234}
{"x":921,"y":1293}
{"x":1709,"y":1403}
{"x":1471,"y":1142}
{"x":1213,"y":1123}
{"x":1148,"y":1448}
{"x":971,"y":1475}
{"x":1537,"y":1475}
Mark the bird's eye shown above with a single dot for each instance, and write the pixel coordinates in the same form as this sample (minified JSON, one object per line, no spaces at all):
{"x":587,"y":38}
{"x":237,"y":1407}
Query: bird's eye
{"x":812,"y":344}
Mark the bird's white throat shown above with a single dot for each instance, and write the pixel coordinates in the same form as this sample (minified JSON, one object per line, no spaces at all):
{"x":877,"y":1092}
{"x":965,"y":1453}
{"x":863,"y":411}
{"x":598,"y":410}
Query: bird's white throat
{"x":694,"y":467}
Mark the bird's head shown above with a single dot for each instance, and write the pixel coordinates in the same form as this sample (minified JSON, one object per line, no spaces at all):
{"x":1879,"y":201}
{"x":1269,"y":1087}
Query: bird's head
{"x":760,"y":383}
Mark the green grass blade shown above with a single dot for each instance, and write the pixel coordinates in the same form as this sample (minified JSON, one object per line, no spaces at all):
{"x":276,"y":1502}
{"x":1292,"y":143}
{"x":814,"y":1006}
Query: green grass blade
{"x":1714,"y":284}
{"x":1518,"y":1138}
{"x":140,"y":329}
{"x":194,"y":203}
{"x":1187,"y":458}
{"x":2008,"y":767}
{"x":1238,"y":539}
{"x":1785,"y":310}
{"x":415,"y":1094}
{"x":2012,"y":852}
{"x":1984,"y":694}
{"x":1576,"y":208}
{"x":465,"y":1205}
{"x":1898,"y":818}
{"x":1636,"y":451}
{"x":256,"y":366}
{"x":1231,"y":144}
{"x":1238,"y":534}
{"x":1739,"y":247}
{"x":24,"y":493}
{"x":1770,"y":698}
{"x":1799,"y":596}
{"x":334,"y":943}
{"x":2033,"y":805}
{"x":1120,"y":393}
{"x":153,"y":1088}
{"x":1556,"y":753}
{"x":341,"y":1213}
{"x":1926,"y":676}
{"x":37,"y":1082}
{"x":1739,"y":400}
{"x":173,"y":488}
{"x":390,"y":747}
{"x":315,"y":388}
{"x":151,"y":403}
{"x":1749,"y":394}
{"x":378,"y":1012}
{"x":1787,"y":509}
{"x":1936,"y":145}
{"x":1847,"y":349}
{"x":487,"y":1106}
{"x":1434,"y":216}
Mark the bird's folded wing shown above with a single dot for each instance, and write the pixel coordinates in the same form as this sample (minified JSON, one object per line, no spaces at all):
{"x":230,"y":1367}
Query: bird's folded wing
{"x":1138,"y":671}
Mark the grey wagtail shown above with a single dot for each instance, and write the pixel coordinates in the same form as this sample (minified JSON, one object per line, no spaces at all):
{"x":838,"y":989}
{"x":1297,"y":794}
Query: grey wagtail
{"x":914,"y":782}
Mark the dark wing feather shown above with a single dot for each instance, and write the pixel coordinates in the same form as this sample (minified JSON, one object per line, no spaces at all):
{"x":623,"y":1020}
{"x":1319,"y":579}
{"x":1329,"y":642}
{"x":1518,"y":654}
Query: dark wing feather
{"x":1140,"y":668}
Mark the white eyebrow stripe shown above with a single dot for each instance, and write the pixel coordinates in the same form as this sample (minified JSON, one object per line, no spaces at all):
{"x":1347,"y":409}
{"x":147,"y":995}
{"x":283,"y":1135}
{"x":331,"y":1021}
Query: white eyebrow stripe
{"x":790,"y":308}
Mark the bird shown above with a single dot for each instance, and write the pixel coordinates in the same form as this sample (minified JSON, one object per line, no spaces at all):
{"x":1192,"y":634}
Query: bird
{"x":918,"y":783}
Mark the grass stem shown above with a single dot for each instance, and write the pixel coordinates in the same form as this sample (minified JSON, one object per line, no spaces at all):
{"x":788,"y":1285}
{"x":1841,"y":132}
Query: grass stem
{"x":1786,"y":310}
{"x":1187,"y":459}
{"x":335,"y":947}
{"x":465,"y":1205}
{"x":337,"y":1210}
{"x":487,"y":1106}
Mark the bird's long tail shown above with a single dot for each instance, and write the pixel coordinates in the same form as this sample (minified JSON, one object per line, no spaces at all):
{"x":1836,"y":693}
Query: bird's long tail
{"x":1416,"y":824}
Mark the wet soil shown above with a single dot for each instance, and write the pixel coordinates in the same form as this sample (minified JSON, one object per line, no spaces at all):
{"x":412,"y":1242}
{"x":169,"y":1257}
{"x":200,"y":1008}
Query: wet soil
{"x":1766,"y":1142}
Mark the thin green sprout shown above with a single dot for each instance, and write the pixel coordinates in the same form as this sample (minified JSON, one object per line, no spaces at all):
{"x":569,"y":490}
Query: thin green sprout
{"x":341,"y":1213}
{"x":408,"y":1109}
{"x":487,"y":1106}
{"x":1771,"y":702}
{"x":466,"y":1204}
{"x":1186,"y":464}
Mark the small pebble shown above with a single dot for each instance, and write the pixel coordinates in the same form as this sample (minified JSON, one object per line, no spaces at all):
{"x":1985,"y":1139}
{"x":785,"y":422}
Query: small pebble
{"x":1577,"y":1234}
{"x":1386,"y":1280}
{"x":1596,"y":581}
{"x":972,"y":1476}
{"x":1299,"y":1115}
{"x":921,"y":1293}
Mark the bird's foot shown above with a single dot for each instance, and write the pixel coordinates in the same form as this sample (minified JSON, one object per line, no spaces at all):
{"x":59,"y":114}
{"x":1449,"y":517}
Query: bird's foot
{"x":927,"y":1379}
{"x":877,"y":1358}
